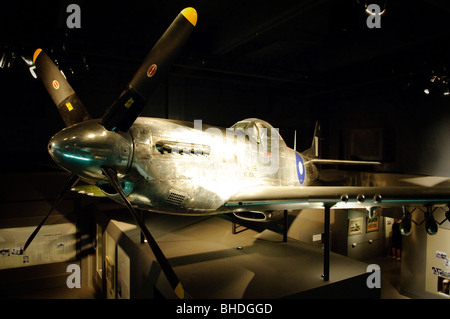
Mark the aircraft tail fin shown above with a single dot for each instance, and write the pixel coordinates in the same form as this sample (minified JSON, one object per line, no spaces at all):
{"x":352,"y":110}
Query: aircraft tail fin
{"x":295,"y":140}
{"x":313,"y":151}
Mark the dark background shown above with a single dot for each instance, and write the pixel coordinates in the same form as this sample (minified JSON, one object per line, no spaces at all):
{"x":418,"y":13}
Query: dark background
{"x":287,"y":62}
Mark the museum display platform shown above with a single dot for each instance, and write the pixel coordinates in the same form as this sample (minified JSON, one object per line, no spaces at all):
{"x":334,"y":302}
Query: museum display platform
{"x":213,"y":263}
{"x":208,"y":258}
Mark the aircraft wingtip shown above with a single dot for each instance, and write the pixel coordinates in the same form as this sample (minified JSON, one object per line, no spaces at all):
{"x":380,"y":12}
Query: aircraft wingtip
{"x":191,"y":15}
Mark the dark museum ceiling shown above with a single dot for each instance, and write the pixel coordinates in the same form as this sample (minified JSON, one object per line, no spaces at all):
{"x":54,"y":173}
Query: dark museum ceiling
{"x":319,"y":52}
{"x":313,"y":46}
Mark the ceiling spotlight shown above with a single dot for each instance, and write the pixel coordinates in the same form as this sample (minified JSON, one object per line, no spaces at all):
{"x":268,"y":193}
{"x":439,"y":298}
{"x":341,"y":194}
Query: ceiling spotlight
{"x":430,"y":224}
{"x":28,"y":61}
{"x":405,"y":227}
{"x":445,"y":85}
{"x":12,"y":60}
{"x":434,"y":78}
{"x":371,"y":211}
{"x":405,"y":224}
{"x":3,"y":60}
{"x":33,"y":73}
{"x":439,"y":83}
{"x":31,"y":65}
{"x":369,"y":12}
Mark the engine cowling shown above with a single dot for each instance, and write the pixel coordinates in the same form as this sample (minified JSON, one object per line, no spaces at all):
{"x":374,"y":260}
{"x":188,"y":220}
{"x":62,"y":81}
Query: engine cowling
{"x":260,"y":216}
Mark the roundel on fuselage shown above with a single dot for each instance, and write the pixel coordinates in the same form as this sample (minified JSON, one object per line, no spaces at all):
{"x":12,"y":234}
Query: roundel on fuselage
{"x":300,"y":168}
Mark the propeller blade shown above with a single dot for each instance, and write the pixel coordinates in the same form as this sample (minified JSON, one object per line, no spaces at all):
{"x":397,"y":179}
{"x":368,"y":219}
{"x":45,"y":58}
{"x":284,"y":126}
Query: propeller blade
{"x":69,"y":104}
{"x":124,"y":111}
{"x":72,"y":181}
{"x":160,"y":257}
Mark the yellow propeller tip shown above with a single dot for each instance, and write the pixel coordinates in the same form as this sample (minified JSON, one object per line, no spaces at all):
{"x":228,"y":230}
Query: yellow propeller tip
{"x":191,"y":15}
{"x":179,"y":291}
{"x":35,"y":55}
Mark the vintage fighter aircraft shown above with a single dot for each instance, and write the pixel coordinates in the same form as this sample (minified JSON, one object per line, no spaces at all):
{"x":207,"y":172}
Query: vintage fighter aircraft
{"x":176,"y":167}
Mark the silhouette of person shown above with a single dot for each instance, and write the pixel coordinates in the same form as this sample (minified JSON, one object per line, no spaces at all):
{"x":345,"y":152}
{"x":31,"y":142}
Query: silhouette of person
{"x":396,"y":240}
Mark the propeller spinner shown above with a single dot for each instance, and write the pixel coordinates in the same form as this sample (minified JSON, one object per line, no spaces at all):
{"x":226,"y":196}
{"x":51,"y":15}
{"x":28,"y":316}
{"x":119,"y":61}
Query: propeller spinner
{"x":85,"y":148}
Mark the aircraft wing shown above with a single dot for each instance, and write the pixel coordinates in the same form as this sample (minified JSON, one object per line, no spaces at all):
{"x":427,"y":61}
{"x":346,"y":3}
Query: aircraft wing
{"x":265,"y":198}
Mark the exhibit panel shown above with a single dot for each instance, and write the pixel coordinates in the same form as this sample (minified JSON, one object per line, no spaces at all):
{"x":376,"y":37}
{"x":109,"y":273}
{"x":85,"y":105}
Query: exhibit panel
{"x":123,"y":267}
{"x":123,"y":274}
{"x":98,"y":251}
{"x":110,"y":267}
{"x":366,"y":238}
{"x":437,"y":275}
{"x":62,"y":243}
{"x":425,"y":267}
{"x":353,"y":233}
{"x":55,"y":243}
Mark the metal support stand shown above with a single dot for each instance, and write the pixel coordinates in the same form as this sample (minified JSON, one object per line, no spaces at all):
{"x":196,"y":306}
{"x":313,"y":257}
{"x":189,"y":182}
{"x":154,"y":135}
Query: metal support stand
{"x":326,"y":241}
{"x":285,"y":230}
{"x":235,"y":226}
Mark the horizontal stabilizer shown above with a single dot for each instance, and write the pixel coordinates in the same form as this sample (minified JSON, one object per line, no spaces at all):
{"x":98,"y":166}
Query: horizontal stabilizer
{"x":342,"y":162}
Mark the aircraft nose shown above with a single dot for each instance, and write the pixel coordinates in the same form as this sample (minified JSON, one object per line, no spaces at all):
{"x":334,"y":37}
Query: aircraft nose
{"x":63,"y":148}
{"x":84,"y":148}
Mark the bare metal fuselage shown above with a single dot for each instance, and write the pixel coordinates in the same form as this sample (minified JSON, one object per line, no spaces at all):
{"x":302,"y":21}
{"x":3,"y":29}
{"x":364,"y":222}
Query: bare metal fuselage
{"x":179,"y":167}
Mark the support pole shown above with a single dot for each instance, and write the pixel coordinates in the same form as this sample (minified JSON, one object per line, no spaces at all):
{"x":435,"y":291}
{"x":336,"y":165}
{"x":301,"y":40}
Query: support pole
{"x":285,"y":228}
{"x":326,"y":241}
{"x":235,"y":226}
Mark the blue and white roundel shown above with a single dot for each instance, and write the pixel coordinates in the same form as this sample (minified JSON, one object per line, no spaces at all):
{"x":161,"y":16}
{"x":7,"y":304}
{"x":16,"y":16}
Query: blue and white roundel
{"x":300,"y":168}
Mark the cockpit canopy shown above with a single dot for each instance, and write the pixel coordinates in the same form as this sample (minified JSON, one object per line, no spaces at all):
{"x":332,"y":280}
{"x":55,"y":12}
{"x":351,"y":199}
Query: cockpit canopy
{"x":257,"y":129}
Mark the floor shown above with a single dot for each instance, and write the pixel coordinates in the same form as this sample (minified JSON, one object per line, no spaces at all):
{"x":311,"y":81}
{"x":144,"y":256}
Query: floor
{"x":240,"y":254}
{"x":61,"y":293}
{"x":390,"y":285}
